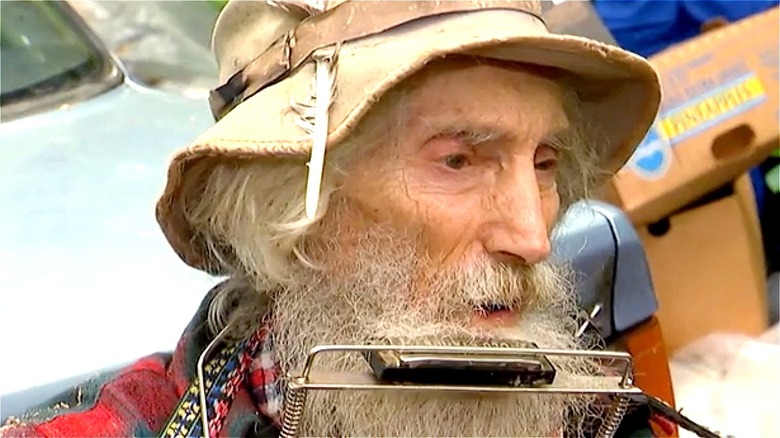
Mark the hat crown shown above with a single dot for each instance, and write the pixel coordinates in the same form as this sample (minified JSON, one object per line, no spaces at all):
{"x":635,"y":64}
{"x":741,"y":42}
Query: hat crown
{"x":246,"y":28}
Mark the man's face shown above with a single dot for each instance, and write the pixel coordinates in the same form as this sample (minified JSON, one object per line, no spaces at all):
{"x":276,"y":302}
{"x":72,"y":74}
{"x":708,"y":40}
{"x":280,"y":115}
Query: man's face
{"x":472,"y":167}
{"x":438,"y":235}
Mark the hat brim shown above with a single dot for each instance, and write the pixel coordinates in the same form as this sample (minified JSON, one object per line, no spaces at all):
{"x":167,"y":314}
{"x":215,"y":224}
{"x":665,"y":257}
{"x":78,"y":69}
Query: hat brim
{"x":620,"y":93}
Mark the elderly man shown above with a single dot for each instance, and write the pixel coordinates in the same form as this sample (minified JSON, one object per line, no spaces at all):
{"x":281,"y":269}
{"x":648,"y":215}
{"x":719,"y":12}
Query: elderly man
{"x":381,"y":172}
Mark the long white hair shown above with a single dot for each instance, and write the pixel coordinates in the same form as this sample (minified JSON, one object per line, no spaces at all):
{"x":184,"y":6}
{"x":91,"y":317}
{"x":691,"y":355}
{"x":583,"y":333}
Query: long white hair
{"x":251,"y":213}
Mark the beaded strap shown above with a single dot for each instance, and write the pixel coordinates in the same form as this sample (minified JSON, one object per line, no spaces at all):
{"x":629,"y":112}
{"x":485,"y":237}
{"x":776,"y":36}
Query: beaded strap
{"x":223,"y":375}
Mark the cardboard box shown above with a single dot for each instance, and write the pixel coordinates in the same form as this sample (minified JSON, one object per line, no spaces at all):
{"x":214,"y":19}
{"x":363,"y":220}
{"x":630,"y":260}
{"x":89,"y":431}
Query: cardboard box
{"x":718,"y":117}
{"x":707,"y":266}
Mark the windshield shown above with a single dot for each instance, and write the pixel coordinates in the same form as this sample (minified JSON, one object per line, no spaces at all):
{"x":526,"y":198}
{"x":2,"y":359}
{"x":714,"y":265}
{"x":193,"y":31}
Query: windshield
{"x":45,"y":52}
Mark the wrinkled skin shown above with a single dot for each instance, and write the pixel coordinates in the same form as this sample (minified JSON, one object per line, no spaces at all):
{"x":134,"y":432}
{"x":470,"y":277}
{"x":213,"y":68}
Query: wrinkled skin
{"x":473,"y":167}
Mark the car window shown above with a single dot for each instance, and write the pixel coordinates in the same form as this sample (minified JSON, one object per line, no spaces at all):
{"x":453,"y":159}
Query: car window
{"x":47,"y":57}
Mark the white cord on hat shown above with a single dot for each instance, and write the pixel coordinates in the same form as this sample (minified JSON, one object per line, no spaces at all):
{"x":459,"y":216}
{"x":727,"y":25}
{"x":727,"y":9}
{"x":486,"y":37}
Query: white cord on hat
{"x":323,"y":94}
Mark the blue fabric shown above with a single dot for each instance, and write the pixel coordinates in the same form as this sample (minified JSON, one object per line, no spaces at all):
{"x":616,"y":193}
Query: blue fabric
{"x":649,"y":26}
{"x":759,"y":187}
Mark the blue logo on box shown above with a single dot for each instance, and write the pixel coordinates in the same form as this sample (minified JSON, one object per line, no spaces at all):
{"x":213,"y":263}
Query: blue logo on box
{"x":652,"y":157}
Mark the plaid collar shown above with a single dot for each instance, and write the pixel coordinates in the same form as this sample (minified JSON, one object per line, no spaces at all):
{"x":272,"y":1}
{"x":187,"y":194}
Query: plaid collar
{"x":263,"y":379}
{"x":245,"y":366}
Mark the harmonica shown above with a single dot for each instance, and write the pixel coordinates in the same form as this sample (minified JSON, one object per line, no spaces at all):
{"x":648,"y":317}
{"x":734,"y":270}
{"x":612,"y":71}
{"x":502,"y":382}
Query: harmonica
{"x":464,"y":369}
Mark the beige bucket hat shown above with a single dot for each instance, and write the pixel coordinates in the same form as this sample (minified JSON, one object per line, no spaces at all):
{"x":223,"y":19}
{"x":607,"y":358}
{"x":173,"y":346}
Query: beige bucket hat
{"x":298,"y":76}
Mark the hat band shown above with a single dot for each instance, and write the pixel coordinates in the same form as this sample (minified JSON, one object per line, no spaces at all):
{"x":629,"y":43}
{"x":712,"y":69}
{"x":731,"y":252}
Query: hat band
{"x":348,"y":21}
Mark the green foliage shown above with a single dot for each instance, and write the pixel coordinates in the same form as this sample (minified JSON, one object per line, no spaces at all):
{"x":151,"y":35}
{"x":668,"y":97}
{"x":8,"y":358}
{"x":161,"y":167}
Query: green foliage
{"x":219,"y":4}
{"x":773,"y":179}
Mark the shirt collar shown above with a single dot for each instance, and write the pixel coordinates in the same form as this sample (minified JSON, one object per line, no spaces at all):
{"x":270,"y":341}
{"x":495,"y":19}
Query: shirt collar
{"x":261,"y":379}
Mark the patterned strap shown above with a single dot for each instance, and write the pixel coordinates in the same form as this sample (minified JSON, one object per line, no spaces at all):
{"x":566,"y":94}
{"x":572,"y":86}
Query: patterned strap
{"x":223,"y":375}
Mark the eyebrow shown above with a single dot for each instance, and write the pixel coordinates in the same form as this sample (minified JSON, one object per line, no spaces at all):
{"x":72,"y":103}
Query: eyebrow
{"x":560,"y":139}
{"x":470,"y":133}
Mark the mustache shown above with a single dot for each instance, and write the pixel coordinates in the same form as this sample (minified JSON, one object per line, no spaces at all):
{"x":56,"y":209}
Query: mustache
{"x":491,"y":285}
{"x":382,"y":295}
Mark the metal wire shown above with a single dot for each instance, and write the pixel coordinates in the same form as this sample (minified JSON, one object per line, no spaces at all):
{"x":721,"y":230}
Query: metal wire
{"x":618,"y":387}
{"x":294,"y":403}
{"x":614,"y":417}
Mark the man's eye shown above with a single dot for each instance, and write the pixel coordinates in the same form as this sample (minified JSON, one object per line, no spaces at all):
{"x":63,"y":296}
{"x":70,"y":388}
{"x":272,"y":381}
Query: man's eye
{"x":546,"y":159}
{"x":456,"y":161}
{"x":547,"y":165}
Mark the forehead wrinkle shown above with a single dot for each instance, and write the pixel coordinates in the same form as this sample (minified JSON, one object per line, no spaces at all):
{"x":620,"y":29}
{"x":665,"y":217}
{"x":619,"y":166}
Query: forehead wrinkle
{"x":506,"y":124}
{"x":542,"y":117}
{"x":562,"y":129}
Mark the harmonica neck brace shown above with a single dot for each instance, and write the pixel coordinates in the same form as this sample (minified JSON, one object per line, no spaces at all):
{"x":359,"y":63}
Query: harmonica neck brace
{"x":521,"y":368}
{"x":523,"y":359}
{"x":524,"y":369}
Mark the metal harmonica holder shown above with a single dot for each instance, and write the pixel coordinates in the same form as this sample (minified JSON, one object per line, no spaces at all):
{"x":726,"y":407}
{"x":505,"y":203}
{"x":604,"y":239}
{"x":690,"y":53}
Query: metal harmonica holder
{"x":617,"y":387}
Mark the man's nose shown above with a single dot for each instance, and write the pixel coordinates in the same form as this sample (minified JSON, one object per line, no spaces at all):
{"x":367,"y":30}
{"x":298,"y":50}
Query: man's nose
{"x":518,"y":230}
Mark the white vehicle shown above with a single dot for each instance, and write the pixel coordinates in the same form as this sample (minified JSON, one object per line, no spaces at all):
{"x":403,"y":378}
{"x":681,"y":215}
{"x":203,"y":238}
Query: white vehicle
{"x":88,"y":279}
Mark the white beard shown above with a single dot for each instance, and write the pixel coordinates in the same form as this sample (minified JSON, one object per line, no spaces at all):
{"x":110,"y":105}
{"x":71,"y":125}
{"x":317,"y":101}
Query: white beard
{"x":368,"y":298}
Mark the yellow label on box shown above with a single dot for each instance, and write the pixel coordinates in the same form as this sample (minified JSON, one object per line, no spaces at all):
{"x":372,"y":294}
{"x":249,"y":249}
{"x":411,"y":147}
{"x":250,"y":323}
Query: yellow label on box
{"x":714,"y":107}
{"x":654,"y":155}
